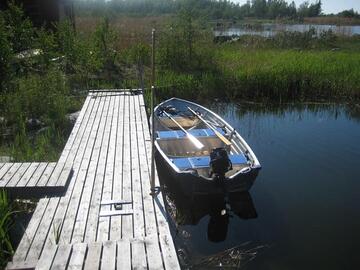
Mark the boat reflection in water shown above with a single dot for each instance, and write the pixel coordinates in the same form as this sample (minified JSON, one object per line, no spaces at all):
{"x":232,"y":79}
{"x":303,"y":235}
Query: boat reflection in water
{"x":219,"y":208}
{"x":189,"y":210}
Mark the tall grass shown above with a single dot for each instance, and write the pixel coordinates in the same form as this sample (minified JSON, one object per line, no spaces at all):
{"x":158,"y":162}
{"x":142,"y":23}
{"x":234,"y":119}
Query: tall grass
{"x":290,"y":74}
{"x":289,"y":66}
{"x":6,"y":249}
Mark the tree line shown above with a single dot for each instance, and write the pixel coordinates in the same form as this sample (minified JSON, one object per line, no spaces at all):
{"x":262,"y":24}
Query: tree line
{"x":211,"y":9}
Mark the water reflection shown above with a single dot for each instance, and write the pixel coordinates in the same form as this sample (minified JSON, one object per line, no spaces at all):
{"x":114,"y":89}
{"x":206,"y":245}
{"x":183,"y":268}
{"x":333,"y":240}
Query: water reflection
{"x":220,"y":209}
{"x":270,"y":30}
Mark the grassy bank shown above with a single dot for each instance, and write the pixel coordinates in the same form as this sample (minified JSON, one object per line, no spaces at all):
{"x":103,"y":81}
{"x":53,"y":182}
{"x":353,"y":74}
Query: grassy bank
{"x":288,"y":67}
{"x":289,"y":74}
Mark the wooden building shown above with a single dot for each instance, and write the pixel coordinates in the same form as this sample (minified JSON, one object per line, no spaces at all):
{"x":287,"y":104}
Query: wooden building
{"x":45,"y":12}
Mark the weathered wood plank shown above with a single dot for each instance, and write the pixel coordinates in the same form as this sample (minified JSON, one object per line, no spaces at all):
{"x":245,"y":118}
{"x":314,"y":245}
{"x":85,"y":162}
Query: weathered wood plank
{"x":44,"y":179}
{"x":79,"y":148}
{"x":90,"y":160}
{"x":123,"y":254}
{"x":93,"y":257}
{"x":23,"y":265}
{"x":115,"y":221}
{"x":37,"y":174}
{"x":47,"y":258}
{"x":108,"y":260}
{"x":110,"y":133}
{"x":62,"y":257}
{"x":9,"y":174}
{"x":127,"y":221}
{"x":26,"y":240}
{"x":166,"y":242}
{"x":4,"y":169}
{"x":139,"y":221}
{"x":45,"y":229}
{"x":138,"y":255}
{"x":100,"y":158}
{"x":149,"y":211}
{"x":77,"y":256}
{"x":152,"y":246}
{"x":77,"y":192}
{"x":19,"y":173}
{"x":27,"y":176}
{"x":153,"y":252}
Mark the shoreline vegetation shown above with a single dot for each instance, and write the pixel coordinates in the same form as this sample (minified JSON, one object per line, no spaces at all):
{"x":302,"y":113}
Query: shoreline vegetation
{"x":44,"y":72}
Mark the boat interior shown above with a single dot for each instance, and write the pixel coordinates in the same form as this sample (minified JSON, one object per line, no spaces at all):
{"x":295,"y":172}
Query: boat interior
{"x":182,"y":153}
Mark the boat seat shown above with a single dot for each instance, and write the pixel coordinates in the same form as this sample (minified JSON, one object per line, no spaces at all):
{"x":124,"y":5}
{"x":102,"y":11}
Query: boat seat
{"x":178,"y":134}
{"x":204,"y":161}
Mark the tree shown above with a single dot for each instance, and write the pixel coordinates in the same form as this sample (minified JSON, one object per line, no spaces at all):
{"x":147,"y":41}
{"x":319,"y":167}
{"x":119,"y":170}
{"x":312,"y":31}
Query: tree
{"x":259,"y":8}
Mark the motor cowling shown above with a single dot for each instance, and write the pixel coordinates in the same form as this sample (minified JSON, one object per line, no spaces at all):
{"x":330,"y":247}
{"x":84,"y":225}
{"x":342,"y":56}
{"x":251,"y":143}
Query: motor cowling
{"x":219,"y":162}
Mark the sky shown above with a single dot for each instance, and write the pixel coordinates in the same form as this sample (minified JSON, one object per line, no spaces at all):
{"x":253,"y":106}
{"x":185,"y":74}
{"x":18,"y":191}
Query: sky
{"x":328,"y":6}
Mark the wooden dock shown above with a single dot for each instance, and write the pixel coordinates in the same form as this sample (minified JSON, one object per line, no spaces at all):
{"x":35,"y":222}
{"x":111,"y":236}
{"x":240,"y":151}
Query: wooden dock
{"x":106,"y":218}
{"x":32,"y":180}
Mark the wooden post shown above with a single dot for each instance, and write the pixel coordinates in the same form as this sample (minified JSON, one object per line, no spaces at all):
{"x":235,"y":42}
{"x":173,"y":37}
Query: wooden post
{"x":153,"y":191}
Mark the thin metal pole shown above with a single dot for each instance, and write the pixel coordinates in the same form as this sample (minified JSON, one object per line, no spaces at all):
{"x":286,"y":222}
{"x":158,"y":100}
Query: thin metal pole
{"x":153,"y":59}
{"x":153,"y":192}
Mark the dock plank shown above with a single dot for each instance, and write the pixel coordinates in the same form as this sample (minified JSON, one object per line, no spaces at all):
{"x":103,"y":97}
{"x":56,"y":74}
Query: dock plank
{"x":108,"y":260}
{"x":9,"y":174}
{"x":115,"y":221}
{"x":138,"y":255}
{"x":78,"y":149}
{"x":167,"y":245}
{"x":62,"y":257}
{"x":88,"y":176}
{"x":127,"y":221}
{"x":28,"y":174}
{"x":109,"y":147}
{"x":101,"y":152}
{"x":74,"y":200}
{"x":47,"y":258}
{"x":44,"y":179}
{"x":77,"y":256}
{"x":123,"y":254}
{"x":93,"y":256}
{"x":18,"y":174}
{"x":139,"y":220}
{"x":46,"y":229}
{"x":4,"y":169}
{"x":37,"y":174}
{"x":23,"y":247}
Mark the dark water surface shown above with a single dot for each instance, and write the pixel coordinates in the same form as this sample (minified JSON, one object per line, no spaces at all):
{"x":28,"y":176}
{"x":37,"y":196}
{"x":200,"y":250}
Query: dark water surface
{"x":306,"y":198}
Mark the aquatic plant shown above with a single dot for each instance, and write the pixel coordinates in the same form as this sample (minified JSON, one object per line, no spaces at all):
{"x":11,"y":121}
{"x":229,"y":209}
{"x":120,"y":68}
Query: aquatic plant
{"x":6,"y":212}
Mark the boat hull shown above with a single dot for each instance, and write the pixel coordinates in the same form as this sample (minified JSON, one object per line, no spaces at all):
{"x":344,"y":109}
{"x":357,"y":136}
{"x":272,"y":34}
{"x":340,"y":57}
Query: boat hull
{"x":194,"y":185}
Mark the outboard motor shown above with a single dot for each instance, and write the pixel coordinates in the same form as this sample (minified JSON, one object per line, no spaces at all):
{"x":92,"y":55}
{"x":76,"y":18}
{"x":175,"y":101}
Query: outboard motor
{"x":219,"y":163}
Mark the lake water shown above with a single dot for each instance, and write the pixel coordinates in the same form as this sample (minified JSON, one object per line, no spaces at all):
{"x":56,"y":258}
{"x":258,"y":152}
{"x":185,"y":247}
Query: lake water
{"x":269,"y":30}
{"x":303,"y":211}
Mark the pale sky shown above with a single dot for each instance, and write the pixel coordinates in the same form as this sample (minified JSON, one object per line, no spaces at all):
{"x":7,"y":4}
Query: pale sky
{"x":328,"y":6}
